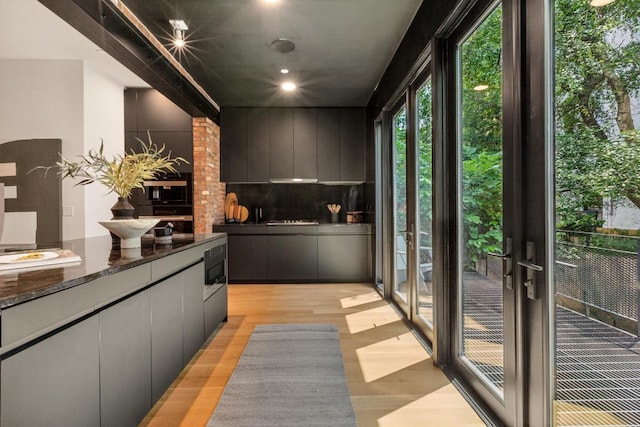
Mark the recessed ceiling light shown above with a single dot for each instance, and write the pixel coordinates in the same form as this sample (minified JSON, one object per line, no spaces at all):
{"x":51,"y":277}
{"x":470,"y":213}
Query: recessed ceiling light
{"x":481,"y":87}
{"x":289,"y":86}
{"x":600,"y":3}
{"x":271,"y":1}
{"x":285,"y":71}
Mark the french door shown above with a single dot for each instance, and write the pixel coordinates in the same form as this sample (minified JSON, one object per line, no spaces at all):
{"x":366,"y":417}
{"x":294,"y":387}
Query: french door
{"x":413,"y":206}
{"x":473,"y":195}
{"x":500,"y":168}
{"x":484,"y":296}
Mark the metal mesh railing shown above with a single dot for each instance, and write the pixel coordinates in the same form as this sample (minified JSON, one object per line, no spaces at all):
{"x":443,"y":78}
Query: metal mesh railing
{"x":601,"y":272}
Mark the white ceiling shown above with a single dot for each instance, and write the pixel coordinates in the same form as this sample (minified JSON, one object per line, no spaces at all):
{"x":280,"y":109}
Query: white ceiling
{"x":31,"y":31}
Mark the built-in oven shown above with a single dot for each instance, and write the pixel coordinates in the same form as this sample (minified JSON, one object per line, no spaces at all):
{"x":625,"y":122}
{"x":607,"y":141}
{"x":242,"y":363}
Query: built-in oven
{"x":168,"y":199}
{"x":215,"y":269}
{"x":171,"y":189}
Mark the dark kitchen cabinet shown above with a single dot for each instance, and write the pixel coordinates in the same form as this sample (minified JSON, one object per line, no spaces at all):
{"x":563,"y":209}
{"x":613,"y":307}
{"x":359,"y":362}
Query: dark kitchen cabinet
{"x":234,"y":149}
{"x":147,"y":110}
{"x":309,"y":253}
{"x":180,"y":144}
{"x":344,"y":258}
{"x":192,"y":310}
{"x":247,"y":258}
{"x":341,"y":140}
{"x":281,"y":143}
{"x":328,"y":144}
{"x":55,"y":382}
{"x":292,"y":257}
{"x":352,"y":134}
{"x":157,"y":113}
{"x":305,"y":142}
{"x":125,"y":370}
{"x":166,"y":334}
{"x":215,"y":310}
{"x":258,"y":144}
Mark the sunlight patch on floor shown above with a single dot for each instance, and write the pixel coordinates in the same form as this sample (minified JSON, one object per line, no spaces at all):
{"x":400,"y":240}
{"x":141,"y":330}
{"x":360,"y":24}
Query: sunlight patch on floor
{"x":434,"y":409}
{"x":371,"y":318}
{"x":360,"y":299}
{"x":391,"y":355}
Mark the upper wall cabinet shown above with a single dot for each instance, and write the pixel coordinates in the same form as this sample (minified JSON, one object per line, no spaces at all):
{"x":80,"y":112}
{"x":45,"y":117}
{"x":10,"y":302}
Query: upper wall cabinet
{"x":263,"y":144}
{"x":305,"y":142}
{"x":258,"y":134}
{"x":169,"y":125}
{"x":233,"y":152}
{"x":281,"y":143}
{"x":341,"y":140}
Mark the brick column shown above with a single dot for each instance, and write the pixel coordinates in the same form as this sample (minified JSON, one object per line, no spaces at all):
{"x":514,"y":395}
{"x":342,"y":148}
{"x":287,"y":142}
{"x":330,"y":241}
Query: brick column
{"x":208,"y":191}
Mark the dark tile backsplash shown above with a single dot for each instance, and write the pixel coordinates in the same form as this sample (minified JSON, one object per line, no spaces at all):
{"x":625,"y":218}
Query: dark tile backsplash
{"x":298,"y":201}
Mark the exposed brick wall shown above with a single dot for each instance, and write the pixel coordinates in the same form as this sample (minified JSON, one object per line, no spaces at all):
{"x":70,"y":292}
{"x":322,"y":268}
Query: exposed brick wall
{"x":208,"y":191}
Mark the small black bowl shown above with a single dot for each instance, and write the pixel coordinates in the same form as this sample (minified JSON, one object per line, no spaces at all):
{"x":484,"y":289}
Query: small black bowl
{"x":162,"y":231}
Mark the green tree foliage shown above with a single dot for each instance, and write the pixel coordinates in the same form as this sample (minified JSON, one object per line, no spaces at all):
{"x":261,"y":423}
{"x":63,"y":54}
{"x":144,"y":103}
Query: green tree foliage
{"x":482,"y":139}
{"x":425,"y":173}
{"x":597,"y":77}
{"x":400,"y":155}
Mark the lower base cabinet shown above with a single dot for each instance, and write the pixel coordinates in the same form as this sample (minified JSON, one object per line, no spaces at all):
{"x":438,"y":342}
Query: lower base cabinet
{"x":215,"y":310}
{"x":125,"y":371}
{"x":110,"y":368}
{"x":55,"y":382}
{"x":247,"y":257}
{"x":344,"y":258}
{"x":166,"y":334}
{"x":193,"y":311}
{"x":305,"y":254}
{"x":292,"y":257}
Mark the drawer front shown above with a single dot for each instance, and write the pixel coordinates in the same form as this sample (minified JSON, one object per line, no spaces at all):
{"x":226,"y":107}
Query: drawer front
{"x":311,"y":230}
{"x":241,"y":229}
{"x":344,"y":229}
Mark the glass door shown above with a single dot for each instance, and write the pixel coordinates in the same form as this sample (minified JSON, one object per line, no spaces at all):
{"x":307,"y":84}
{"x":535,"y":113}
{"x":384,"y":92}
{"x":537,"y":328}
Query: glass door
{"x":596,"y":300}
{"x":484,"y":299}
{"x":423,"y":193}
{"x":401,"y":232}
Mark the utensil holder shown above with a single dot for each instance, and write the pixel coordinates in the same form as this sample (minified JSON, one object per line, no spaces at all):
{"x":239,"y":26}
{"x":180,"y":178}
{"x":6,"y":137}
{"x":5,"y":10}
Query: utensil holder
{"x":334,"y":217}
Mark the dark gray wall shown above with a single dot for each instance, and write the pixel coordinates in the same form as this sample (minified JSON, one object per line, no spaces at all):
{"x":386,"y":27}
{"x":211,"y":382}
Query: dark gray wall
{"x":36,"y":192}
{"x":430,"y":17}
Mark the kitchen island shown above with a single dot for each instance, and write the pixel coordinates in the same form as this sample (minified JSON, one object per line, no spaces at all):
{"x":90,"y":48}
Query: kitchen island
{"x":97,"y":342}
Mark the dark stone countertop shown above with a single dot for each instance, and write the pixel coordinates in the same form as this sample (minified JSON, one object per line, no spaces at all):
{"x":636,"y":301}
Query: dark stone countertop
{"x":98,"y":260}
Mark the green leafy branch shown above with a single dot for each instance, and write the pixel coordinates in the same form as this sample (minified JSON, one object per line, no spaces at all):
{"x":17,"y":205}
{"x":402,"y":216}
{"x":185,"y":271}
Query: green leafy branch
{"x":120,"y":174}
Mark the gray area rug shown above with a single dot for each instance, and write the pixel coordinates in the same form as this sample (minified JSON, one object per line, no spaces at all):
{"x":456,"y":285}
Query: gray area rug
{"x":288,"y":375}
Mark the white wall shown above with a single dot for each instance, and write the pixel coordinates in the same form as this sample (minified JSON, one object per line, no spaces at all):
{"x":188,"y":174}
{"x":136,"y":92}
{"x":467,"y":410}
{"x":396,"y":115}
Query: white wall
{"x":44,"y":99}
{"x":68,"y":100}
{"x":103,"y":119}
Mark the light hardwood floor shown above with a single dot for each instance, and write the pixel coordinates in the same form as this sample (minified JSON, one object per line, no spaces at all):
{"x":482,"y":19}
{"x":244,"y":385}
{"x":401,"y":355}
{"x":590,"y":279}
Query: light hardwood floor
{"x":391,"y":377}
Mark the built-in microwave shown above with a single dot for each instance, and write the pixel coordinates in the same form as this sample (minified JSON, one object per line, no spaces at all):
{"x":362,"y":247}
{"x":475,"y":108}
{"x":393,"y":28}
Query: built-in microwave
{"x":215,"y":269}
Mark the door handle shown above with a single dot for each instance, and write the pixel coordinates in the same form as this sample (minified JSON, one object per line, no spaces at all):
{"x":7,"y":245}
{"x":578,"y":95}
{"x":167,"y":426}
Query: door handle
{"x":532,"y":267}
{"x":507,"y":262}
{"x":410,"y":239}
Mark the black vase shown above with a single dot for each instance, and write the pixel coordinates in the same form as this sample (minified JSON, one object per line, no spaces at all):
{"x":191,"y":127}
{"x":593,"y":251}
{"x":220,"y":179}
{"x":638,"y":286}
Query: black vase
{"x":122,"y":209}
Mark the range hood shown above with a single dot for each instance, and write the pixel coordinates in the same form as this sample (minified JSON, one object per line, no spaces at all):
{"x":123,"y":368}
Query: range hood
{"x":293,"y":180}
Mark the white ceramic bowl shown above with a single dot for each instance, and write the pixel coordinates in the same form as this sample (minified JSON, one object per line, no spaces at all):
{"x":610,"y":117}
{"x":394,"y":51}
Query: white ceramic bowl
{"x":129,"y":230}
